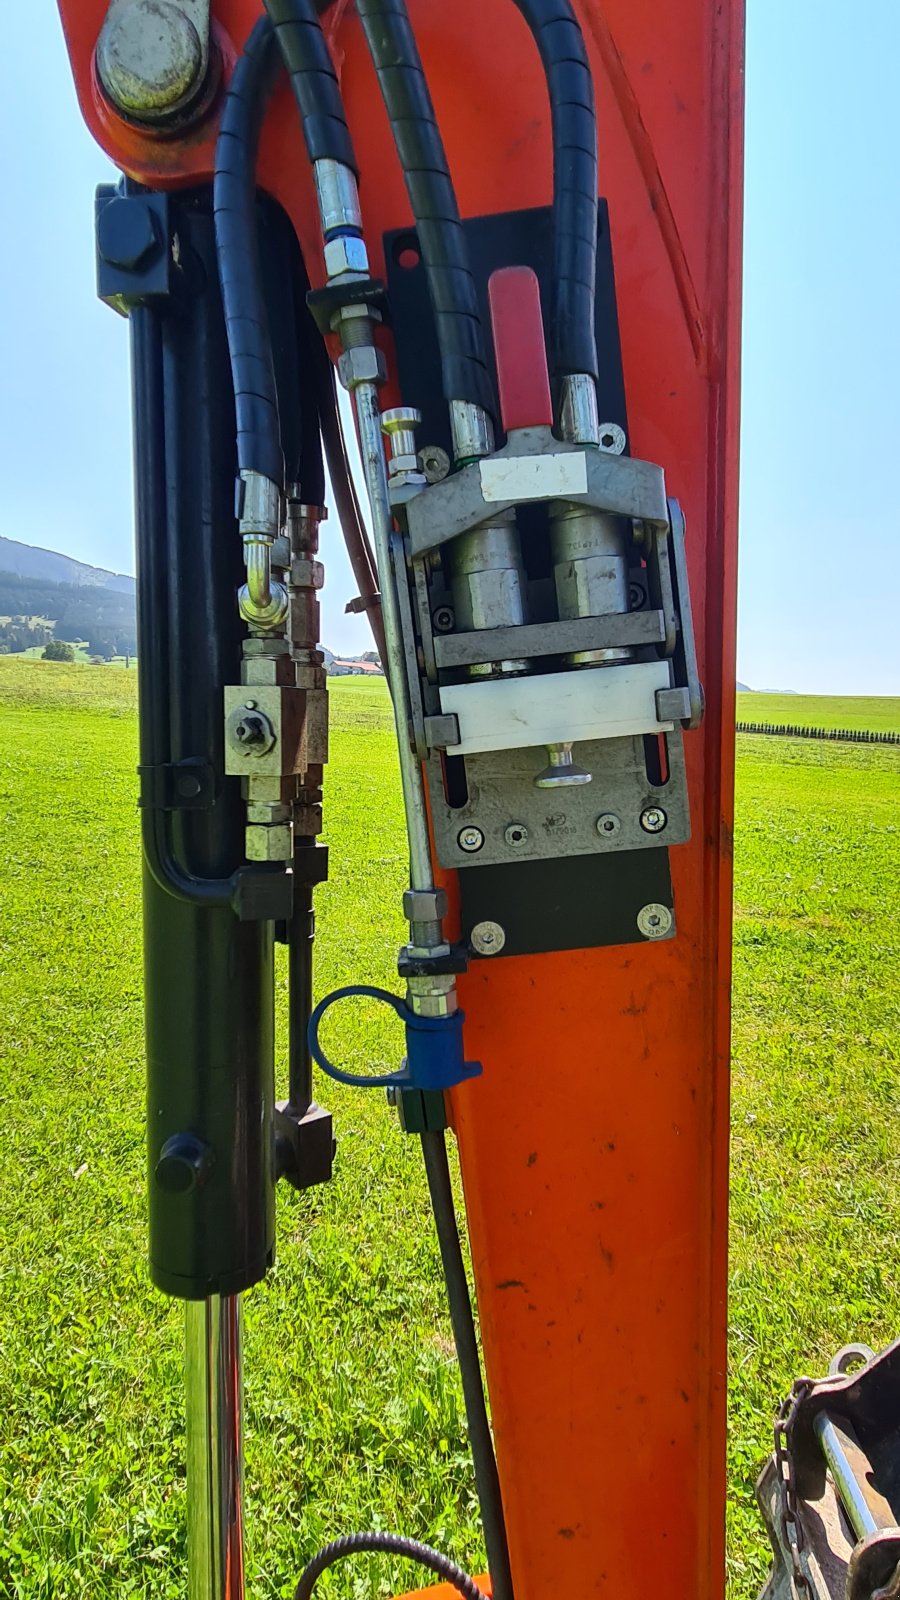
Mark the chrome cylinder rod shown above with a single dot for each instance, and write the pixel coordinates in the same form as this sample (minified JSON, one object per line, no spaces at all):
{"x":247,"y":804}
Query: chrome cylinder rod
{"x":867,"y":1510}
{"x":214,"y":1448}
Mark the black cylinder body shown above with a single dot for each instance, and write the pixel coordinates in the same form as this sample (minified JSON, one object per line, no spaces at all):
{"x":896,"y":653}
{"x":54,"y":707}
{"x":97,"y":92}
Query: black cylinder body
{"x":208,"y":975}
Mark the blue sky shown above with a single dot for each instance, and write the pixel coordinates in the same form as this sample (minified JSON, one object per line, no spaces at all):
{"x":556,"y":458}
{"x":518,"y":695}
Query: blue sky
{"x":821,"y":408}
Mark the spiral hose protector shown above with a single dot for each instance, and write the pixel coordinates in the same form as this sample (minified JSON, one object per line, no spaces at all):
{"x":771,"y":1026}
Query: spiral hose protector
{"x":442,"y":242}
{"x":234,"y":204}
{"x":557,"y":34}
{"x":313,"y":79}
{"x":390,"y":1544}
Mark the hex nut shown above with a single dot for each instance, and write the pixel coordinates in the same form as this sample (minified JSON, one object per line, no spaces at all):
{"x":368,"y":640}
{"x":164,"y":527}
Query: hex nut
{"x":345,"y":254}
{"x":404,"y":464}
{"x":424,"y":905}
{"x":269,"y":843}
{"x":515,"y":834}
{"x":363,"y":365}
{"x":306,"y":573}
{"x":653,"y":819}
{"x":470,"y":839}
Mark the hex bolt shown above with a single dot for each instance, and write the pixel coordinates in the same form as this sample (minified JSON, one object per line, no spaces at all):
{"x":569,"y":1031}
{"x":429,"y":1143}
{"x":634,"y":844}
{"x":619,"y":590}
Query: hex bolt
{"x":515,"y":833}
{"x":488,"y":938}
{"x":442,"y":618}
{"x":470,"y":839}
{"x":608,"y":825}
{"x":127,"y":232}
{"x":654,"y":921}
{"x":653,"y":819}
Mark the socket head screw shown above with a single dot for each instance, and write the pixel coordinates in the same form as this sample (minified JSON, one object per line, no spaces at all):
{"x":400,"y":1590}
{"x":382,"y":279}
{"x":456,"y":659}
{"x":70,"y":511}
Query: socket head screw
{"x":608,"y":825}
{"x":470,"y":839}
{"x":515,"y":834}
{"x":442,"y":619}
{"x":654,"y":921}
{"x":653,"y":819}
{"x":488,"y":938}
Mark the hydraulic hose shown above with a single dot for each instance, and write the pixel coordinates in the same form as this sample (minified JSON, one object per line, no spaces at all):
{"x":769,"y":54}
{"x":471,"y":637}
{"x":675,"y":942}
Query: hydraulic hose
{"x":442,"y":241}
{"x":234,"y":198}
{"x":389,"y":1544}
{"x":434,"y":1151}
{"x":313,"y":80}
{"x":557,"y":34}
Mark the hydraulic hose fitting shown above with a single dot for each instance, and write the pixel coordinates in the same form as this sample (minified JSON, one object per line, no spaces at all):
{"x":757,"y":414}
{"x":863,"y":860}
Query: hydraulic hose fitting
{"x":579,"y":421}
{"x":262,"y":601}
{"x":472,"y":430}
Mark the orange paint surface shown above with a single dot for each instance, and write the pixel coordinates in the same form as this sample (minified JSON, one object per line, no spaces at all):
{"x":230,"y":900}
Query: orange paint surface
{"x":594,"y":1148}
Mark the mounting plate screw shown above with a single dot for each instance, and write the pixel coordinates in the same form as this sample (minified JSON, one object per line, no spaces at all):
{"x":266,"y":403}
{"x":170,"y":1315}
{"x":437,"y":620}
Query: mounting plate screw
{"x":653,"y":819}
{"x":488,"y":938}
{"x":608,"y":825}
{"x":515,"y":833}
{"x":470,"y":839}
{"x":442,"y":618}
{"x":654,"y":921}
{"x":612,"y":438}
{"x":434,"y":462}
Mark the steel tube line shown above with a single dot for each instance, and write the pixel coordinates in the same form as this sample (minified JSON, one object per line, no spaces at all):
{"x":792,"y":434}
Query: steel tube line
{"x":368,"y":416}
{"x":214,"y":1448}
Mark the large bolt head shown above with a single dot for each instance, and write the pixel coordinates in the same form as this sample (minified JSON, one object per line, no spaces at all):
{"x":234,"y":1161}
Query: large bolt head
{"x":149,"y":58}
{"x":127,"y":233}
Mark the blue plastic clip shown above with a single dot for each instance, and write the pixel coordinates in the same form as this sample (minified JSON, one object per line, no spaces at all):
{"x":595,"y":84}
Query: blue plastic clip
{"x":435,"y":1058}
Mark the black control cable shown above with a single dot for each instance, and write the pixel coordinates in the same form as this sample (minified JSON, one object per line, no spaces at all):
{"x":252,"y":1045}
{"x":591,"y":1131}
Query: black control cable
{"x":388,"y":1544}
{"x":560,"y":42}
{"x":442,"y":241}
{"x":487,"y":1479}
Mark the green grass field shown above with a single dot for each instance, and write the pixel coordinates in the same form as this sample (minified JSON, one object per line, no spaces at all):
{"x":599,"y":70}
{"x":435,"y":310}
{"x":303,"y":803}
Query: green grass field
{"x":877,"y":713}
{"x":354,"y":1415}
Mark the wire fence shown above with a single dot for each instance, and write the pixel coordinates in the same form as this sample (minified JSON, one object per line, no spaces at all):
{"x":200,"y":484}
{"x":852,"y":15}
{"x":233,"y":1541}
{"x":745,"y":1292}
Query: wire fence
{"x":844,"y":735}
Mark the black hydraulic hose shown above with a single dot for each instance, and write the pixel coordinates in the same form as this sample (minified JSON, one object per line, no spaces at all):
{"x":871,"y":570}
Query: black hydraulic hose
{"x":442,"y":241}
{"x":434,"y":1151}
{"x":313,"y":80}
{"x":234,"y":198}
{"x":557,"y":34}
{"x":393,"y":1544}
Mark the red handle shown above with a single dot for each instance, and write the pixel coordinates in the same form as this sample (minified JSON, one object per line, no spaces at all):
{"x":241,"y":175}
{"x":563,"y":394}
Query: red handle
{"x":518,"y":328}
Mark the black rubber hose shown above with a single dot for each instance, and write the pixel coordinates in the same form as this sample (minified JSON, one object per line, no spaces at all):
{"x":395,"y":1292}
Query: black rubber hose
{"x":442,"y":241}
{"x":434,"y":1150}
{"x":557,"y":34}
{"x":393,"y":1544}
{"x":234,"y":199}
{"x":313,"y":80}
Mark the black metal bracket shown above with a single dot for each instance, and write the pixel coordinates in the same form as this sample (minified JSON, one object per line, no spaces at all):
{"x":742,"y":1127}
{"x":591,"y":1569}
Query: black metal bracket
{"x":188,"y":785}
{"x":135,"y":247}
{"x":304,"y":1145}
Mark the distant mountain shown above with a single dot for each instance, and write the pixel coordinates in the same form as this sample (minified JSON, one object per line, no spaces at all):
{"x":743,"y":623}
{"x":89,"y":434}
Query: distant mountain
{"x":48,"y":566}
{"x":744,"y":688}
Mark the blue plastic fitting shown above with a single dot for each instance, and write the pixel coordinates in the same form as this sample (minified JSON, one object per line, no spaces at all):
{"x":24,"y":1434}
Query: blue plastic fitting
{"x":435,"y":1057}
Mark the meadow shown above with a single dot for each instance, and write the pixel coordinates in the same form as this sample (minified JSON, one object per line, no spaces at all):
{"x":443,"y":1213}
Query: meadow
{"x":354,"y":1414}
